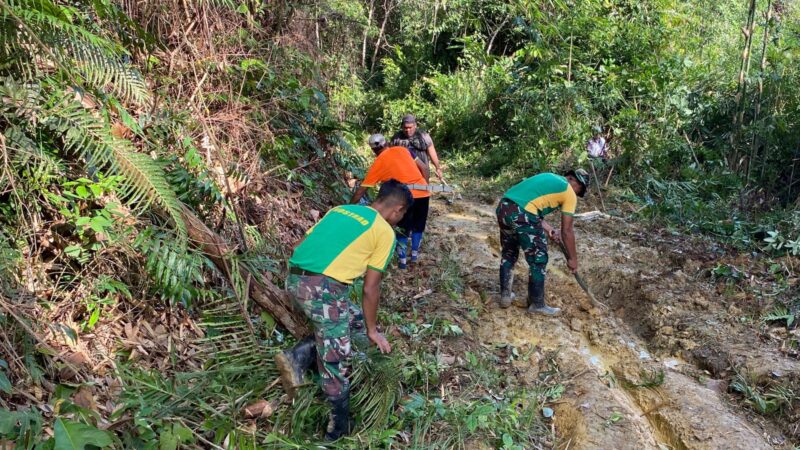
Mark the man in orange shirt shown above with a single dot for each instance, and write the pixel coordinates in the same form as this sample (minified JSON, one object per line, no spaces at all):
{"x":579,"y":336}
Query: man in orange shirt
{"x":400,"y":164}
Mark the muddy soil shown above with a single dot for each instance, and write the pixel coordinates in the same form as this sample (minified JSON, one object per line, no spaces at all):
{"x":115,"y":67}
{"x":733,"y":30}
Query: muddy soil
{"x":651,"y":370}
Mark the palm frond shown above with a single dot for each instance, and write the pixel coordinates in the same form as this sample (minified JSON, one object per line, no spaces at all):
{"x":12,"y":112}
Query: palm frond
{"x":377,"y":381}
{"x":238,"y":368}
{"x":175,"y":269}
{"x":229,"y":339}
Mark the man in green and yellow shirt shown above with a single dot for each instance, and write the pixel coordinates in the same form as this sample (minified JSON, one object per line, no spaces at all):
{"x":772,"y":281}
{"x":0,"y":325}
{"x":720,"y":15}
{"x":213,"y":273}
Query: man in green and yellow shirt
{"x":350,"y":241}
{"x":520,"y":215}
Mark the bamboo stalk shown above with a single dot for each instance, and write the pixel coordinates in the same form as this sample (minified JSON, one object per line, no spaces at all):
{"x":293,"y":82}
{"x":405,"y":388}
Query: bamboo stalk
{"x":742,"y":87}
{"x":757,"y":112}
{"x":366,"y":34}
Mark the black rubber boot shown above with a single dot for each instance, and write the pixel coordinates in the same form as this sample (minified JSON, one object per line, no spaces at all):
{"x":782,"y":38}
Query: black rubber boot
{"x":536,"y":299}
{"x":339,"y":424}
{"x":506,"y":286}
{"x":293,"y":363}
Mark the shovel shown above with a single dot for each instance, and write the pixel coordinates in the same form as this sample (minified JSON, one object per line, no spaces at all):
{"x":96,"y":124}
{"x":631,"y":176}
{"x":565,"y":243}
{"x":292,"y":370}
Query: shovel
{"x":581,"y":282}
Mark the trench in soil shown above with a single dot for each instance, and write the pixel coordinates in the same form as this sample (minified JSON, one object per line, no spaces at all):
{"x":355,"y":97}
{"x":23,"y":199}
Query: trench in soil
{"x":604,"y":353}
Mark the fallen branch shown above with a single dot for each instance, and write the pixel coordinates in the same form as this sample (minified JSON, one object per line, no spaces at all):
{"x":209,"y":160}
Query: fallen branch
{"x":262,"y":291}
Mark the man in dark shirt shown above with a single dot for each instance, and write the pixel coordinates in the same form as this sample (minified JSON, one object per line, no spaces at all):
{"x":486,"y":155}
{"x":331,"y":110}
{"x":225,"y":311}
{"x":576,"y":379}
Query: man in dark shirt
{"x":419,"y":142}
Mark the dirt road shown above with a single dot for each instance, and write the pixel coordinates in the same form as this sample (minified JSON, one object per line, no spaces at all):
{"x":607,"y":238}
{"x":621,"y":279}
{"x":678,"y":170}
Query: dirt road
{"x":649,"y":372}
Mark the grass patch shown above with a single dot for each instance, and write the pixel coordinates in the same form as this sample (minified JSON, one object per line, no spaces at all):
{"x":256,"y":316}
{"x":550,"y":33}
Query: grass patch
{"x":765,"y":398}
{"x":651,"y":378}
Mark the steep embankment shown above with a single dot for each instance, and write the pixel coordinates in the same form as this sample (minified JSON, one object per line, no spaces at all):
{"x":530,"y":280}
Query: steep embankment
{"x":651,"y":370}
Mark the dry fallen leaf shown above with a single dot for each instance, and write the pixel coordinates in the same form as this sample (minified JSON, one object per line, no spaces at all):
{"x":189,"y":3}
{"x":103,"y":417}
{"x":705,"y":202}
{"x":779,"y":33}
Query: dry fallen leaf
{"x":84,"y":398}
{"x":78,"y":360}
{"x":120,"y":131}
{"x":260,"y":408}
{"x":254,"y":409}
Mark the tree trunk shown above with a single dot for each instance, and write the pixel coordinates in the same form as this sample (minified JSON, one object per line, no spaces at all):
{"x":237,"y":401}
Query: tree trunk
{"x":262,"y":291}
{"x":433,"y":28}
{"x":387,"y":9}
{"x":494,"y":36}
{"x":757,"y":112}
{"x":742,"y":88}
{"x":366,"y":34}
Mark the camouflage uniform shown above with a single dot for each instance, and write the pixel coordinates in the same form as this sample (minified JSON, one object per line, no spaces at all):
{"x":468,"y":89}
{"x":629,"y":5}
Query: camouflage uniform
{"x":336,"y":321}
{"x":519,"y":228}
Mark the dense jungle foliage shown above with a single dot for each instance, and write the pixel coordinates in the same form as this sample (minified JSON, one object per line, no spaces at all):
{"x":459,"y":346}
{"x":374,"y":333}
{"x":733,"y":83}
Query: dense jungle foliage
{"x":124,"y":123}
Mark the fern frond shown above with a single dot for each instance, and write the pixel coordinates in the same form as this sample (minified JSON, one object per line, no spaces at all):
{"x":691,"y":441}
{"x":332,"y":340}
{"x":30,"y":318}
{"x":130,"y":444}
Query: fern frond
{"x":102,"y":71}
{"x":45,"y":18}
{"x":27,"y":153}
{"x":92,"y":140}
{"x":36,"y":29}
{"x":20,"y":103}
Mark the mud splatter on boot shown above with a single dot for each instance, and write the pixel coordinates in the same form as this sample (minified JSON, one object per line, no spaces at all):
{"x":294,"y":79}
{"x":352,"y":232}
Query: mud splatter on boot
{"x":293,"y":363}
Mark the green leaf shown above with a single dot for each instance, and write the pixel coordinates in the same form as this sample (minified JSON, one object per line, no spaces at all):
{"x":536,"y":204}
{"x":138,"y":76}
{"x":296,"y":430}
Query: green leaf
{"x":76,"y":436}
{"x":73,"y":250}
{"x":93,"y":318}
{"x":8,"y":421}
{"x":167,"y":440}
{"x":269,"y":321}
{"x":99,"y":224}
{"x":5,"y":384}
{"x":82,"y":192}
{"x":184,"y":434}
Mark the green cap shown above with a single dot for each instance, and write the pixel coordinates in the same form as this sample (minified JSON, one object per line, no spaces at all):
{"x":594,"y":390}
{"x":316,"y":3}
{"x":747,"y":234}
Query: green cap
{"x":583,"y":178}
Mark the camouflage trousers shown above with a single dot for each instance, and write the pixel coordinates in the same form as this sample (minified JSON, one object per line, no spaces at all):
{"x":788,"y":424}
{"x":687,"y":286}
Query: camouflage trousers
{"x":519,"y":228}
{"x":336,"y":321}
